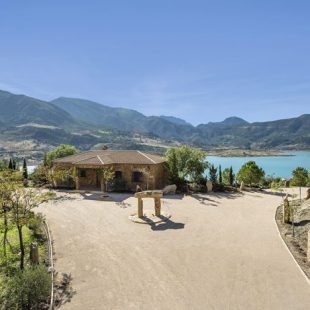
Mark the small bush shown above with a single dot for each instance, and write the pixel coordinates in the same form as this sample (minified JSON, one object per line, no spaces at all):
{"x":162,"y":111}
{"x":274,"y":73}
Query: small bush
{"x":36,"y":226}
{"x":29,"y":289}
{"x":39,"y":176}
{"x":119,"y":185}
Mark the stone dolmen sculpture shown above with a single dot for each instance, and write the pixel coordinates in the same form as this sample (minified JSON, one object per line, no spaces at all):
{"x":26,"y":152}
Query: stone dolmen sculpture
{"x":148,"y":217}
{"x":156,"y":195}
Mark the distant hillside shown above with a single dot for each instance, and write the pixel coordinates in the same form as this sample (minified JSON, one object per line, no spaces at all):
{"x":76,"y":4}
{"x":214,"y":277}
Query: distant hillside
{"x":100,"y":115}
{"x":20,"y":109}
{"x":230,"y":121}
{"x":86,"y":123}
{"x":287,"y":133}
{"x":175,"y":120}
{"x":122,"y":119}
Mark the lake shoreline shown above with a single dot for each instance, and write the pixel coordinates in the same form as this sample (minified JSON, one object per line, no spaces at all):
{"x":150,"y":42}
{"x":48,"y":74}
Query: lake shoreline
{"x":250,"y":153}
{"x":277,"y":165}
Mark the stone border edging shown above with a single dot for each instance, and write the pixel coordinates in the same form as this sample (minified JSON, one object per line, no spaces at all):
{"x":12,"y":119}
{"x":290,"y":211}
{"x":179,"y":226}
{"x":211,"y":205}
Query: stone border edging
{"x":51,"y":262}
{"x":287,"y":248}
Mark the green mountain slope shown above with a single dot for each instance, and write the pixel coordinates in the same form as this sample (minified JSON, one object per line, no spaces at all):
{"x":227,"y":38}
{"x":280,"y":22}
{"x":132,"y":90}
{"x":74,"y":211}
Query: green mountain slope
{"x":123,"y":119}
{"x":294,"y":132}
{"x":20,"y":109}
{"x":100,"y":115}
{"x":86,"y":123}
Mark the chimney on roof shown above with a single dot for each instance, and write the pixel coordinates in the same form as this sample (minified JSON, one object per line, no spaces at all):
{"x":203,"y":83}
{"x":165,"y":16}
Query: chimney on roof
{"x":104,"y":147}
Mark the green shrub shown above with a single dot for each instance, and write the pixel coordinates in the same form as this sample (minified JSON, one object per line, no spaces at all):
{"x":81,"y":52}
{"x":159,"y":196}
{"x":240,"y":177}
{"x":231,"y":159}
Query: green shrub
{"x":119,"y":185}
{"x":36,"y":226}
{"x":39,"y":176}
{"x":28,"y":289}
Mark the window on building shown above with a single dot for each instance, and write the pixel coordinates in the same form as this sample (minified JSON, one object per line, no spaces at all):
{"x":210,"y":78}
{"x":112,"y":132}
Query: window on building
{"x":82,"y":173}
{"x":137,"y":176}
{"x":118,"y":175}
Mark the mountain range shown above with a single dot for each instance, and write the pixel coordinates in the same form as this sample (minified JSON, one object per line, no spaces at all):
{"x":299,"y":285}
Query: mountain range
{"x":85,"y":123}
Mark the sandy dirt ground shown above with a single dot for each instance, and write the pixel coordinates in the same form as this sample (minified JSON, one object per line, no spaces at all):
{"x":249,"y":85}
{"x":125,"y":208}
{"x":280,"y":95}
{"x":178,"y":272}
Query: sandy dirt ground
{"x":219,"y":251}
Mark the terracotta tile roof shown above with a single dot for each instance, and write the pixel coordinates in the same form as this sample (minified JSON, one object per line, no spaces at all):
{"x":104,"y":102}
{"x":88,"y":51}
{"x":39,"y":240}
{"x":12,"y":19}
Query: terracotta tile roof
{"x":105,"y":157}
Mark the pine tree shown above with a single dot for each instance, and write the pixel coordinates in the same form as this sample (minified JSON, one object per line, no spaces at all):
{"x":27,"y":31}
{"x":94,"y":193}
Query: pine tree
{"x":14,"y":164}
{"x":213,"y":174}
{"x":220,"y":175}
{"x":25,"y":170}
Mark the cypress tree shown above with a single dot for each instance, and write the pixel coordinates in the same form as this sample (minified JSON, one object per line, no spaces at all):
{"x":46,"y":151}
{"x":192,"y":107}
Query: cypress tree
{"x":14,"y":164}
{"x":220,"y":175}
{"x":231,"y":176}
{"x":25,"y":170}
{"x":10,"y":164}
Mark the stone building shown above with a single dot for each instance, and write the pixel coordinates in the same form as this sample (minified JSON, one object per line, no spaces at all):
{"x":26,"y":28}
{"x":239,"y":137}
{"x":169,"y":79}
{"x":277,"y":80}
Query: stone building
{"x":131,"y":168}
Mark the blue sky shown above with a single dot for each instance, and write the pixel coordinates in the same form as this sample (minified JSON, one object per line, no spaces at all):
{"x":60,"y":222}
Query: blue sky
{"x":198,"y":60}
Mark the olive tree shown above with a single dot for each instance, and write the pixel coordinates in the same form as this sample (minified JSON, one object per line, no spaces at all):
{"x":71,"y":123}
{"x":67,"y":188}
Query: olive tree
{"x":186,"y":163}
{"x":9,"y":181}
{"x":105,"y":174}
{"x":250,"y":173}
{"x":62,"y":150}
{"x":300,"y":178}
{"x":21,"y":203}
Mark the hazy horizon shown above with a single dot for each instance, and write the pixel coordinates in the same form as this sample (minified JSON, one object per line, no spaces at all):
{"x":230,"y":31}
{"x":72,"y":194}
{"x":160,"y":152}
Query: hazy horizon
{"x":197,"y":60}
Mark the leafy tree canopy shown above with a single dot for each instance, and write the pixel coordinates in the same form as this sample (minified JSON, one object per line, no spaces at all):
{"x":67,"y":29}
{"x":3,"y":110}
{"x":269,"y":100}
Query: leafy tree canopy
{"x":250,"y":173}
{"x":186,"y":163}
{"x":62,"y":150}
{"x":300,"y":177}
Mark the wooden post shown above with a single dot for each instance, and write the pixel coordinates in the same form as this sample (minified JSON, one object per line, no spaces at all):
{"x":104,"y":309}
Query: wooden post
{"x":286,"y":210}
{"x":140,"y":207}
{"x":308,"y":254}
{"x":34,"y":254}
{"x":157,"y":204}
{"x":77,"y":183}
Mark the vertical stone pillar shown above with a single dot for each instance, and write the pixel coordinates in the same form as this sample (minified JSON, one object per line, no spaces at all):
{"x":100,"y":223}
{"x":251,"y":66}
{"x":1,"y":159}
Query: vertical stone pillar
{"x":34,"y":254}
{"x":140,"y":207}
{"x":77,"y":183}
{"x":209,"y":185}
{"x":102,"y":184}
{"x":286,"y":210}
{"x":308,"y":254}
{"x":157,"y":206}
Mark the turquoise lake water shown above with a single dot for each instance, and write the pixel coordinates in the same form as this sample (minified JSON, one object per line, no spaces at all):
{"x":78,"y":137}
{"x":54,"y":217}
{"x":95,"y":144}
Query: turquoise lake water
{"x":277,"y":166}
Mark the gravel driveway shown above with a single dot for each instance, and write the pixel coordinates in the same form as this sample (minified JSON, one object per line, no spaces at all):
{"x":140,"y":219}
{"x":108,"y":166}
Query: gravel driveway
{"x":217,"y":252}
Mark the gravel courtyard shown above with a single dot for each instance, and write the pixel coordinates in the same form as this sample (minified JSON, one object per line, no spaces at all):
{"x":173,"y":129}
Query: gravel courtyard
{"x":219,"y":251}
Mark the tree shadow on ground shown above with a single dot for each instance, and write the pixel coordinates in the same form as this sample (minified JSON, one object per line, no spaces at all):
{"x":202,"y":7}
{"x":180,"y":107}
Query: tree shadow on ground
{"x":168,"y":224}
{"x":205,"y":200}
{"x":63,"y":198}
{"x":227,"y":195}
{"x":63,"y":291}
{"x":302,"y":223}
{"x":174,"y":197}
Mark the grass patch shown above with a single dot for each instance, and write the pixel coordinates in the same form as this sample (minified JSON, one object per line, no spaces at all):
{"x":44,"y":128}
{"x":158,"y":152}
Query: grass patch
{"x":33,"y":233}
